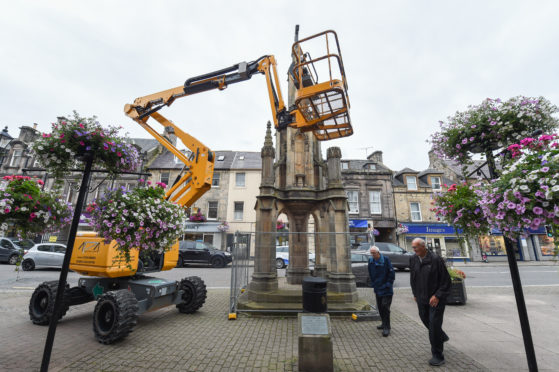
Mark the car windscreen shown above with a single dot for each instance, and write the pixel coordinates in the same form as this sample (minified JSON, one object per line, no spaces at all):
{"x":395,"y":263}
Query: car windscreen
{"x":25,"y":243}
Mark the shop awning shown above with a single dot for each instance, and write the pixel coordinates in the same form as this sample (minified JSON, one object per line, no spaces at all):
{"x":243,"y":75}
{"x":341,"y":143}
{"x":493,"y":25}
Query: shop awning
{"x":358,"y":223}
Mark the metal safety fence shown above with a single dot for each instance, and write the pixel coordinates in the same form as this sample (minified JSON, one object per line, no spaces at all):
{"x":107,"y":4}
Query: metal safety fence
{"x":314,"y":244}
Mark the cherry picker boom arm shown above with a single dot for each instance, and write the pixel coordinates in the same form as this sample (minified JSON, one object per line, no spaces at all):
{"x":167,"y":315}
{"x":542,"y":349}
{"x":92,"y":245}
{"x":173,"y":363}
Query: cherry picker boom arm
{"x":320,"y":107}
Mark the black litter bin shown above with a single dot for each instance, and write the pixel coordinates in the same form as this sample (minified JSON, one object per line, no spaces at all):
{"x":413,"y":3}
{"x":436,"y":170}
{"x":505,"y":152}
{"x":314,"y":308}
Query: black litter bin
{"x":314,"y":295}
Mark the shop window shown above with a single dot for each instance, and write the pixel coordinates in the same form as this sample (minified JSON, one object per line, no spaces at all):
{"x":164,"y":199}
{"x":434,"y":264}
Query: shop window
{"x":165,"y":177}
{"x":436,"y":183}
{"x":415,"y":209}
{"x":215,"y":180}
{"x":492,"y":245}
{"x":238,"y":214}
{"x":453,"y":248}
{"x":353,"y":201}
{"x":410,"y":239}
{"x":212,"y":210}
{"x":240,"y":179}
{"x":411,"y":181}
{"x":209,"y":238}
{"x":374,"y":202}
{"x":546,"y":245}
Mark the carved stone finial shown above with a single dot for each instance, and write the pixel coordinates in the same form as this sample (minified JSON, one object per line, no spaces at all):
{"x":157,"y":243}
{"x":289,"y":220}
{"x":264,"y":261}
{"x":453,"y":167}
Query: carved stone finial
{"x":334,"y":152}
{"x":268,"y":148}
{"x":268,"y":139}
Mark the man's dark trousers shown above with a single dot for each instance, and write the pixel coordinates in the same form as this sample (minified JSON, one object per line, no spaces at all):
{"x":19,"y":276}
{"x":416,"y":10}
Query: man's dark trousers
{"x":383,"y":304}
{"x":432,"y":318}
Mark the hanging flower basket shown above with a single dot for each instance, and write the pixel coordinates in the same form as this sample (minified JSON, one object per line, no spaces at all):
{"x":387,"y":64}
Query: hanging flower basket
{"x":61,"y":150}
{"x":402,"y":229}
{"x":459,"y":207}
{"x":197,"y":217}
{"x":31,"y":210}
{"x":376,"y":232}
{"x":492,"y":125}
{"x":138,"y":219}
{"x":526,"y":196}
{"x":223,"y":227}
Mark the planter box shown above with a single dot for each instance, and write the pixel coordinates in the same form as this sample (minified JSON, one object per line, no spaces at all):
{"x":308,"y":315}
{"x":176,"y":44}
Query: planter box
{"x":457,"y":292}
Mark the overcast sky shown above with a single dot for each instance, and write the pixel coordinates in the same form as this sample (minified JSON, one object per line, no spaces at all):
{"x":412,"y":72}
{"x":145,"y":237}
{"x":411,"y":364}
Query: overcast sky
{"x":409,"y":64}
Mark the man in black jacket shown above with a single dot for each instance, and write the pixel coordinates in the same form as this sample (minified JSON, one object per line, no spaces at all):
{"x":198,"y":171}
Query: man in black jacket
{"x":430,"y":283}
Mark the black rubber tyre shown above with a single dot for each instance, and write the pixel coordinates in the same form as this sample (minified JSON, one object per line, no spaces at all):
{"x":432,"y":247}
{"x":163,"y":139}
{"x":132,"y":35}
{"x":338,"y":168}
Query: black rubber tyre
{"x":218,"y":262}
{"x":180,"y":262}
{"x":280,"y":264}
{"x":41,"y":305}
{"x":115,"y":316}
{"x":194,"y":294}
{"x":28,"y":265}
{"x":13,"y":259}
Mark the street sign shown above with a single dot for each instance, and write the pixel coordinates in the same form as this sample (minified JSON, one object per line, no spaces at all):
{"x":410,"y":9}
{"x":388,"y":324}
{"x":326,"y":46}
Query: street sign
{"x":53,"y":239}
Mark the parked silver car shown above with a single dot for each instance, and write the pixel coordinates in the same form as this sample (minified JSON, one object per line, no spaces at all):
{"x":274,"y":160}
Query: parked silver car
{"x":44,"y":254}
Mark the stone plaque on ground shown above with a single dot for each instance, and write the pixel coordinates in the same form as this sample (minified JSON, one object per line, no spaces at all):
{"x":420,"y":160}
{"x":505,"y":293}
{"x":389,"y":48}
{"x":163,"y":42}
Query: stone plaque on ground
{"x":315,"y":343}
{"x":314,"y":325}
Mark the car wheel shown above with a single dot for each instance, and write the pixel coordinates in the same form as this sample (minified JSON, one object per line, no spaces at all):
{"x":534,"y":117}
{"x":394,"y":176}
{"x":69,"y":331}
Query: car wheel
{"x":280,"y":264}
{"x":13,"y":259}
{"x":180,"y":262}
{"x":41,"y":305}
{"x":218,"y":262}
{"x":193,"y":296}
{"x":115,"y":315}
{"x":28,"y":265}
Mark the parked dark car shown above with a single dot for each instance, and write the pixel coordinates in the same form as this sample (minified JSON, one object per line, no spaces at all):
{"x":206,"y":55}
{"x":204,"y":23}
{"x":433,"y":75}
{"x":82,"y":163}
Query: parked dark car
{"x":399,"y":257}
{"x":191,"y":252}
{"x":359,"y":267}
{"x":10,"y":249}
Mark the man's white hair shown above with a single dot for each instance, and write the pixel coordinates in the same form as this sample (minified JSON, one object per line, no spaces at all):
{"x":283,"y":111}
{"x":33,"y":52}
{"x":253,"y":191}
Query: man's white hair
{"x":374,"y":248}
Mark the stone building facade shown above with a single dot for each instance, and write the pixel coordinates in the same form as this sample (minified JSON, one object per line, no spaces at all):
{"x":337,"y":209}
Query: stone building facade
{"x":368,"y":185}
{"x":413,"y":194}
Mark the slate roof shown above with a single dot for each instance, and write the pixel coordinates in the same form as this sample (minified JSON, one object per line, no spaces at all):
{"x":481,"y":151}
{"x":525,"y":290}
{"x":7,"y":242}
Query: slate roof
{"x":246,"y":160}
{"x":146,"y":144}
{"x":357,"y":164}
{"x":231,"y":160}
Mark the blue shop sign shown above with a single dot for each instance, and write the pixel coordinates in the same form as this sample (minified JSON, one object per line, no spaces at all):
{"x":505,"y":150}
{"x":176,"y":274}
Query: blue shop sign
{"x":358,"y":223}
{"x":430,"y":229}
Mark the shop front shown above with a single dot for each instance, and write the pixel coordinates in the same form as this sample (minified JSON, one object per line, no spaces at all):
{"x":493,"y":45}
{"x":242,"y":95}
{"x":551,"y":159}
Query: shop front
{"x":440,"y":238}
{"x":369,"y":231}
{"x":543,"y":246}
{"x":493,"y":246}
{"x":204,"y":231}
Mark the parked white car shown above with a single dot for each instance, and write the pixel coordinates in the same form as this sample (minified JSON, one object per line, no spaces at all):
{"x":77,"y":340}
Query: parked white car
{"x":44,"y":254}
{"x":282,"y":257}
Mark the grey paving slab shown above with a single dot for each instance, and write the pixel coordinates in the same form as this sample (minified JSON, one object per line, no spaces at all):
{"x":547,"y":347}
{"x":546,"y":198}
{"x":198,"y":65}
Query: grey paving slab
{"x":207,"y":341}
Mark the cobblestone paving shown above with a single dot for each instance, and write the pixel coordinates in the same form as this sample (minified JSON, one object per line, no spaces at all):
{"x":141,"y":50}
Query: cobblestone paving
{"x":166,"y":340}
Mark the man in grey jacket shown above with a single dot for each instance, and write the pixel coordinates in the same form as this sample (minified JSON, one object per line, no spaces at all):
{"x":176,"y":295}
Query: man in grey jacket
{"x":430,"y":283}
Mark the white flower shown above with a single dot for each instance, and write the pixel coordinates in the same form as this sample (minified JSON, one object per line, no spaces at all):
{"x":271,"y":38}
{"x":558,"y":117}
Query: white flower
{"x":555,"y":188}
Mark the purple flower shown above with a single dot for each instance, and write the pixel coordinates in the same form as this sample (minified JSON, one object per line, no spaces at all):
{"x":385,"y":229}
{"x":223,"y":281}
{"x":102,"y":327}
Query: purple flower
{"x":545,"y":169}
{"x":537,"y":210}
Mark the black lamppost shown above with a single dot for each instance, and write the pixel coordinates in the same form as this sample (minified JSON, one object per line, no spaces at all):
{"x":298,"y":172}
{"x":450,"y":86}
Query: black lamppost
{"x":515,"y":276}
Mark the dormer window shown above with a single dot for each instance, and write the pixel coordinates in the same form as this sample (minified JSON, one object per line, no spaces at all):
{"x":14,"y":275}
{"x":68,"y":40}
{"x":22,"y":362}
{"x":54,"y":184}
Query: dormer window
{"x":436,"y":183}
{"x":221,"y":158}
{"x":345,"y":165}
{"x":371,"y":166}
{"x":242,"y":157}
{"x":411,"y":181}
